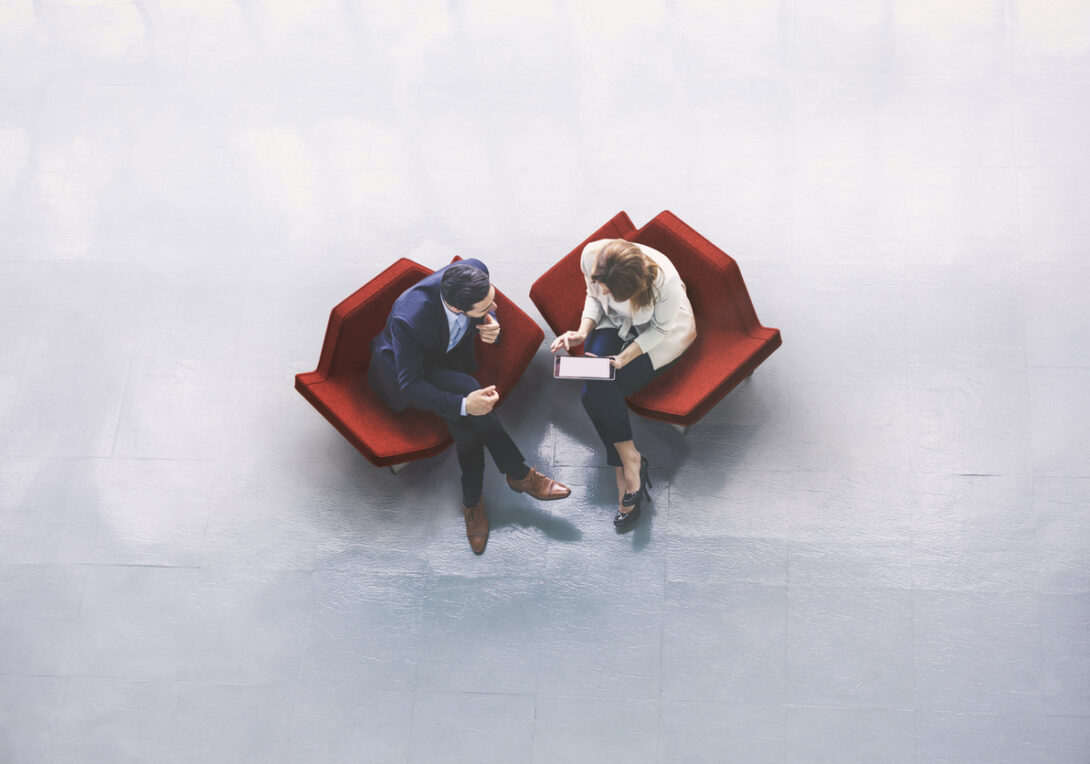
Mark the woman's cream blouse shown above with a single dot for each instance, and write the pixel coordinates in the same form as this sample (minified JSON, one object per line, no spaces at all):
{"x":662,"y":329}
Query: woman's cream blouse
{"x":663,"y":329}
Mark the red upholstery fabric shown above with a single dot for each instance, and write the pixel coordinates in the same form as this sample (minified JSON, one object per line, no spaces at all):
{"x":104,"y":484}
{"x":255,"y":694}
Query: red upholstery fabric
{"x":338,"y":387}
{"x":730,"y":342}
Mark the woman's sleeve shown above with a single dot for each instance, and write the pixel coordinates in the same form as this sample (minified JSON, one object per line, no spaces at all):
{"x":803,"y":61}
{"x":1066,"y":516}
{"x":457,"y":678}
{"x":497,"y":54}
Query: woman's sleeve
{"x":663,"y":316}
{"x":592,"y":306}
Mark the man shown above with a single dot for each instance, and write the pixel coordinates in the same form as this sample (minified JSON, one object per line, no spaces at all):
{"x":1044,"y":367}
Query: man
{"x":423,"y":359}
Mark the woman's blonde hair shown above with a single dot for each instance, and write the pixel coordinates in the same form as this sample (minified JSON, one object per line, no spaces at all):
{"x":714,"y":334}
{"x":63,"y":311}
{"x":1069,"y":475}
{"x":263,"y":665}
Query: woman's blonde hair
{"x":626,"y":272}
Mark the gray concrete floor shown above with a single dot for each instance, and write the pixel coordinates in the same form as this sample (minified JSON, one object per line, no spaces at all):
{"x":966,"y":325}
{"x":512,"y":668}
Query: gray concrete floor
{"x":875,"y":550}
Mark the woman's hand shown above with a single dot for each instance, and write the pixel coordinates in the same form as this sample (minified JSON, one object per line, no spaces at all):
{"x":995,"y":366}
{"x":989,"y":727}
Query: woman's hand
{"x":567,"y":340}
{"x":631,"y":352}
{"x":616,"y":361}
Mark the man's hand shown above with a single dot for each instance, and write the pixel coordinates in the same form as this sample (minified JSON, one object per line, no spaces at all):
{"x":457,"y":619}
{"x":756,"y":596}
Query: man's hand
{"x":489,"y":329}
{"x":480,"y":402}
{"x":567,"y":340}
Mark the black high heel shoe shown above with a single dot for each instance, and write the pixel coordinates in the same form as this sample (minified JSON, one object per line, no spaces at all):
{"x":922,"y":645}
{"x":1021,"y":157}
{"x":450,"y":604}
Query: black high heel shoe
{"x":635,"y":499}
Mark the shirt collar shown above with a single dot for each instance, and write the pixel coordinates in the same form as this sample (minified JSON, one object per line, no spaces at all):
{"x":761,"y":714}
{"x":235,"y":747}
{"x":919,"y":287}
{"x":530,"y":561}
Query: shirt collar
{"x":453,"y":319}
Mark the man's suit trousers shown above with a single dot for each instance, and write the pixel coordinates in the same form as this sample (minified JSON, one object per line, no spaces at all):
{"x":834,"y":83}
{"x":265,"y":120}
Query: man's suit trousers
{"x":473,"y":434}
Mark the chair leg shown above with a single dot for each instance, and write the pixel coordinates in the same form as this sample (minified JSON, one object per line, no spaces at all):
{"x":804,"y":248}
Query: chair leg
{"x":397,"y":468}
{"x":682,"y":428}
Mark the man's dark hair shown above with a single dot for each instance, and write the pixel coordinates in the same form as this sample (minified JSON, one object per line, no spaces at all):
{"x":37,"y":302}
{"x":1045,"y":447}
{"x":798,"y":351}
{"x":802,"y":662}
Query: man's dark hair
{"x":463,"y":286}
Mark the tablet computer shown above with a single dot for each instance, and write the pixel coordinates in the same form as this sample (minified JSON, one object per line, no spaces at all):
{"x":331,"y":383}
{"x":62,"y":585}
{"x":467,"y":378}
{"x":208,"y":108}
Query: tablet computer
{"x":581,"y":367}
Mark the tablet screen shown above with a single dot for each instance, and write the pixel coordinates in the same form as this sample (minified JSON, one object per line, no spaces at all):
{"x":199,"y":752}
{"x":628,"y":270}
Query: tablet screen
{"x":579,"y":366}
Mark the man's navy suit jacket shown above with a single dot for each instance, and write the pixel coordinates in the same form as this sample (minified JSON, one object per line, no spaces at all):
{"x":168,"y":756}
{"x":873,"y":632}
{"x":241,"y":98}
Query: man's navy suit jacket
{"x":414,"y":342}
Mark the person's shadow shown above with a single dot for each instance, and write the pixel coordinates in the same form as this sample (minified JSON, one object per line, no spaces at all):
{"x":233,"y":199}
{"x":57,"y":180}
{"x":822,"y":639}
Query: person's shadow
{"x":537,"y":404}
{"x":716,"y":446}
{"x":521,"y":513}
{"x":424,"y":479}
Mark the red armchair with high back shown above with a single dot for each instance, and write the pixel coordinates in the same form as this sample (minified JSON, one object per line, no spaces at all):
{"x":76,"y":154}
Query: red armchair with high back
{"x":338,"y":387}
{"x":730,"y":341}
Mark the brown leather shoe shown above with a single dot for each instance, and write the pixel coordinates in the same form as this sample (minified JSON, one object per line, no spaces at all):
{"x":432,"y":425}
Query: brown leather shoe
{"x":539,"y":486}
{"x":476,"y":526}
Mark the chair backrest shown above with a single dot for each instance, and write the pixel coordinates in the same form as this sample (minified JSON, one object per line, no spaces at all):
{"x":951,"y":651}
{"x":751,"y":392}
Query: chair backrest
{"x":712,"y":279}
{"x":358,"y":320}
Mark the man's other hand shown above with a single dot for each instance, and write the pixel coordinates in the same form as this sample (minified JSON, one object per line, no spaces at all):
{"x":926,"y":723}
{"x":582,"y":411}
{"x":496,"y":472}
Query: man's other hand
{"x":480,"y":402}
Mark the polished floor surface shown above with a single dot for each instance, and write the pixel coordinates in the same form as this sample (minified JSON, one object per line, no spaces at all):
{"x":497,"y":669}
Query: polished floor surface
{"x":876,"y":550}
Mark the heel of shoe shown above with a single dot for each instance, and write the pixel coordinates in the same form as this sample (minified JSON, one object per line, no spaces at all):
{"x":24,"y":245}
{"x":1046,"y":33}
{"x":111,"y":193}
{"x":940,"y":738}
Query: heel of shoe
{"x":645,"y":473}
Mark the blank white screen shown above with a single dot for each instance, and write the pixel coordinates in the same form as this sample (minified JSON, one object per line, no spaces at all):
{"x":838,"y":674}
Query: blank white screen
{"x":577,"y":366}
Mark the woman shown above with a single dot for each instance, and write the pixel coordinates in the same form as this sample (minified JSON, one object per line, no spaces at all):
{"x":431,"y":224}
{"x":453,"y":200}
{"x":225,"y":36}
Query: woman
{"x":638,"y":314}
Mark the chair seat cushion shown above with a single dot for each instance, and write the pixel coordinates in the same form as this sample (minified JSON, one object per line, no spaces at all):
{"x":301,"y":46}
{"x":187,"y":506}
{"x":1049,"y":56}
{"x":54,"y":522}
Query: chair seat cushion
{"x":388,"y":437}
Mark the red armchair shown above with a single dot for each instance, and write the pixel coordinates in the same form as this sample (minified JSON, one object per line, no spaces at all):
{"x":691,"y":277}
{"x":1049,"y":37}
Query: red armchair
{"x":730,"y":341}
{"x":338,"y":387}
